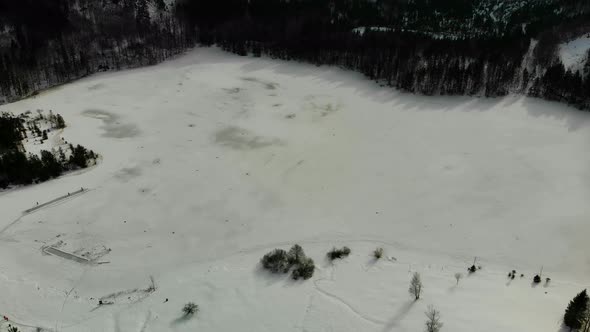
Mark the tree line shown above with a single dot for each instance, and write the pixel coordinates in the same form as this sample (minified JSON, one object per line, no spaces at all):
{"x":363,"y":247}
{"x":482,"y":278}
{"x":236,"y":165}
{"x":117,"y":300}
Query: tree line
{"x":44,"y":43}
{"x":466,"y":56}
{"x":457,"y":47}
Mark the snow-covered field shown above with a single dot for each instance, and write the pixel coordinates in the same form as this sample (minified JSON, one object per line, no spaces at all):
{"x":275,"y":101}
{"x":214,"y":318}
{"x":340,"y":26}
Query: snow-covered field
{"x":211,"y":160}
{"x":574,"y":53}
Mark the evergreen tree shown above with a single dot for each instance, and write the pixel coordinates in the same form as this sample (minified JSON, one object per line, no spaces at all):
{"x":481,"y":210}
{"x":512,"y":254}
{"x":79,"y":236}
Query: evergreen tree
{"x":59,"y":122}
{"x":51,"y":166}
{"x":576,"y":309}
{"x":79,"y":157}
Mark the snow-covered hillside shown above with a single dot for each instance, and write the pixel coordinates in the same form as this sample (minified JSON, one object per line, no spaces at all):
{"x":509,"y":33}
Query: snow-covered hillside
{"x":574,"y":53}
{"x":212,"y":160}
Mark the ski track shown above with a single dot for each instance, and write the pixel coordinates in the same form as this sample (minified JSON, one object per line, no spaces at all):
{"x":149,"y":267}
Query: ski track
{"x":342,"y":302}
{"x":146,"y":321}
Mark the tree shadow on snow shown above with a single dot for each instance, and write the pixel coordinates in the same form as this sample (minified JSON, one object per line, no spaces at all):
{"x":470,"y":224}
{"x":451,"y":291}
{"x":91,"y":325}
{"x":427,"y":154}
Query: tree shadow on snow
{"x":181,"y":320}
{"x":399,"y":315}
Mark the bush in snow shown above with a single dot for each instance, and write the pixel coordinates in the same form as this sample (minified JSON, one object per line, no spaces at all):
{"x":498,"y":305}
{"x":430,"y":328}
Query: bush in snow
{"x":276,"y":261}
{"x":378,"y":253}
{"x":296,"y":255}
{"x":190,"y":309}
{"x":537,"y":279}
{"x":280,"y":261}
{"x":12,"y":328}
{"x":304,"y":269}
{"x":338,"y":253}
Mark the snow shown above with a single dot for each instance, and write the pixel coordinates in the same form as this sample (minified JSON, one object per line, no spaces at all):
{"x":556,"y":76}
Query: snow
{"x":361,"y":30}
{"x":211,"y":160}
{"x":574,"y":53}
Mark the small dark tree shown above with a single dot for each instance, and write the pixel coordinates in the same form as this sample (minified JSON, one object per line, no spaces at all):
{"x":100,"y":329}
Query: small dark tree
{"x":575,"y":312}
{"x":59,"y":122}
{"x":415,"y":286}
{"x":12,"y":328}
{"x":190,"y":309}
{"x":378,"y":253}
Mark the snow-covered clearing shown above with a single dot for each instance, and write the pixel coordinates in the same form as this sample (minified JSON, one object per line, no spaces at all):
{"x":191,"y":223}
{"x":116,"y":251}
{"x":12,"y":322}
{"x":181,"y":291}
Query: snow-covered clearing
{"x":211,"y":160}
{"x":574,"y":53}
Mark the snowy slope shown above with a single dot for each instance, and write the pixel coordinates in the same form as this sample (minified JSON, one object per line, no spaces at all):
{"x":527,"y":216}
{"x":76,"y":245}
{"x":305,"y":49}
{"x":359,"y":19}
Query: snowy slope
{"x":212,"y":160}
{"x":574,"y":53}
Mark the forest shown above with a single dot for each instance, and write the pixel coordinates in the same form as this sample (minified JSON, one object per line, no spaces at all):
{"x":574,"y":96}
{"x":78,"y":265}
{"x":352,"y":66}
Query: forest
{"x":44,"y":43}
{"x":426,"y":47}
{"x":458,"y":47}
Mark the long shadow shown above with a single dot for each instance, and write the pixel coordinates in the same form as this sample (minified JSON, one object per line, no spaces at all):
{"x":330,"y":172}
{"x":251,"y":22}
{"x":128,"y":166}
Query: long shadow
{"x":399,"y":315}
{"x":181,"y":320}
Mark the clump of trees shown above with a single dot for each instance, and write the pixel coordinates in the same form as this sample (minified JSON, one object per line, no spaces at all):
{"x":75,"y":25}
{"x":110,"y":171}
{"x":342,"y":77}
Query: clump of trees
{"x":338,"y":253}
{"x":19,"y":168}
{"x":577,"y":313}
{"x":281,"y":261}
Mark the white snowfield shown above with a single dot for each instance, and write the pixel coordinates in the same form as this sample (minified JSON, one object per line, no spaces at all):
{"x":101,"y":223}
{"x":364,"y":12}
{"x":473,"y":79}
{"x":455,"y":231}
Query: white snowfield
{"x":211,"y":160}
{"x":574,"y":53}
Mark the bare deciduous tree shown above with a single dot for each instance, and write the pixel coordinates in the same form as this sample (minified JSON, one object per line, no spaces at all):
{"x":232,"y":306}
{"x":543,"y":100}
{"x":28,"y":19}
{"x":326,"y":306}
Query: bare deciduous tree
{"x":415,"y":285}
{"x":433,"y":323}
{"x":458,"y":276}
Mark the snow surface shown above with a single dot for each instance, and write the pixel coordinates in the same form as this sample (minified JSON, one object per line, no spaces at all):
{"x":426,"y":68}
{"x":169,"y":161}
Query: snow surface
{"x":574,"y":53}
{"x":211,"y":160}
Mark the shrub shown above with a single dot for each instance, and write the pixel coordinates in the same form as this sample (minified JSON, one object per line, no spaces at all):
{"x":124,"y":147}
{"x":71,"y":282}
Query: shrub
{"x":304,"y":269}
{"x":12,"y":329}
{"x":378,"y":253}
{"x":338,"y":253}
{"x":296,"y":255}
{"x":472,"y":269}
{"x":276,"y":261}
{"x":190,"y":309}
{"x":537,"y":279}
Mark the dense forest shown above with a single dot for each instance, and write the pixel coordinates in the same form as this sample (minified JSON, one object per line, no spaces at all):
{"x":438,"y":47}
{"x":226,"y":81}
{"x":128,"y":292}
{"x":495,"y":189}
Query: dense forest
{"x":481,"y":47}
{"x":472,"y":47}
{"x":48,"y":42}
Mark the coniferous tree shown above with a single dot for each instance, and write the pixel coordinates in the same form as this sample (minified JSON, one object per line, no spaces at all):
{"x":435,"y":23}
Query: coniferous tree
{"x":576,"y":310}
